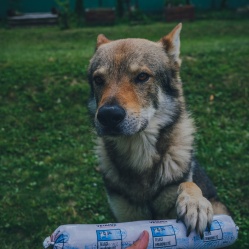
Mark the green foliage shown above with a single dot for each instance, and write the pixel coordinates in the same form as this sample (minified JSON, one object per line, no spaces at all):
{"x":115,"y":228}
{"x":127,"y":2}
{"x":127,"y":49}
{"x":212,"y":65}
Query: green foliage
{"x":65,"y":13}
{"x":120,"y":8}
{"x":131,"y":14}
{"x":138,"y":17}
{"x":70,"y":19}
{"x":79,"y":8}
{"x":48,"y":170}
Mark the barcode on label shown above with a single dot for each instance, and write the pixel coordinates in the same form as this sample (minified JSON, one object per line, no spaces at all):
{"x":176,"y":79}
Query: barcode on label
{"x":113,"y":247}
{"x":160,"y":244}
{"x":212,"y":237}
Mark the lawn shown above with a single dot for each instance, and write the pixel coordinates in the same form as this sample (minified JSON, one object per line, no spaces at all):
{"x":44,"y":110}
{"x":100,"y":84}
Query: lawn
{"x":48,"y":170}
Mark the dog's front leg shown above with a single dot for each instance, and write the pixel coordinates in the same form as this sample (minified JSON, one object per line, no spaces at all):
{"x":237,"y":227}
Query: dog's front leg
{"x":193,"y":209}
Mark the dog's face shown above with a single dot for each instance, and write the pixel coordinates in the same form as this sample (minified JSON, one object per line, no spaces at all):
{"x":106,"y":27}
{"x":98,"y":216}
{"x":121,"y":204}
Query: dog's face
{"x":130,"y":80}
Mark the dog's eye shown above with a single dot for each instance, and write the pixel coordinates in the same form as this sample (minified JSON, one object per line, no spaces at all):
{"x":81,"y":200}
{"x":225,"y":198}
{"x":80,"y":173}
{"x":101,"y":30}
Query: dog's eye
{"x":142,"y":77}
{"x":98,"y":80}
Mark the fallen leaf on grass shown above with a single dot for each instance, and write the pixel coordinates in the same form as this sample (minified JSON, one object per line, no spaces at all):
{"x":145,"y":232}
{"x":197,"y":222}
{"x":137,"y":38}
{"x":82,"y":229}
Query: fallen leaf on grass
{"x":211,"y":97}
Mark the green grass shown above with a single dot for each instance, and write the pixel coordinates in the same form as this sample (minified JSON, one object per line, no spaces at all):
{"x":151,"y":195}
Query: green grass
{"x":48,"y":170}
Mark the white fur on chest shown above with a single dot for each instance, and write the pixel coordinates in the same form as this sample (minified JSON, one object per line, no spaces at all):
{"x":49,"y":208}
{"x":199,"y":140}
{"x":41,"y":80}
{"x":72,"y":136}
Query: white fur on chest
{"x":139,"y":150}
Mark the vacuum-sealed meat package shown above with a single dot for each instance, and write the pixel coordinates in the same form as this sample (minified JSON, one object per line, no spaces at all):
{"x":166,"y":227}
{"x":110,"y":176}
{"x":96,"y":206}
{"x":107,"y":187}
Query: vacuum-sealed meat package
{"x":167,"y":234}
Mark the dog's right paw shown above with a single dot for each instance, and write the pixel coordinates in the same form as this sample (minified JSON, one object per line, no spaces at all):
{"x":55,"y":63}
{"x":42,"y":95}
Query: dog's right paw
{"x":193,"y":209}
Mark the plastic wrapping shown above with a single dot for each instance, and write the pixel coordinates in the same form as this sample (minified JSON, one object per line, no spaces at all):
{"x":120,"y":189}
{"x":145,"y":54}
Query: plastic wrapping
{"x":163,"y":234}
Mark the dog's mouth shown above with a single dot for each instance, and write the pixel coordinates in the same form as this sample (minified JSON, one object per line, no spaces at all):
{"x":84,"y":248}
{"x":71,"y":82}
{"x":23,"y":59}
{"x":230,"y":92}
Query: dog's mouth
{"x":113,"y":120}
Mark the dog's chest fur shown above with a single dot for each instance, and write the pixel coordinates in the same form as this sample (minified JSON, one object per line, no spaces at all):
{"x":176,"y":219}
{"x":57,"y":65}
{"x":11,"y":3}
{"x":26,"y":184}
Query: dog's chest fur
{"x":140,"y":166}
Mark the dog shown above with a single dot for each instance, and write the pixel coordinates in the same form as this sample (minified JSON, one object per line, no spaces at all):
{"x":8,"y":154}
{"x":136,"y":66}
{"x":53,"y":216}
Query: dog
{"x":146,"y":134}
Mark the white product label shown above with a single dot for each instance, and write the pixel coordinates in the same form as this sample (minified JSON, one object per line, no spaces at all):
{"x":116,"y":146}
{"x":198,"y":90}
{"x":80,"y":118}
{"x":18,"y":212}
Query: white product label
{"x":109,"y":239}
{"x":163,"y":236}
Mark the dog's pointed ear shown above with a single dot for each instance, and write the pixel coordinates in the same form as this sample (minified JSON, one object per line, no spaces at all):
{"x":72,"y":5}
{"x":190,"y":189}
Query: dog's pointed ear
{"x":171,"y":42}
{"x":101,"y":39}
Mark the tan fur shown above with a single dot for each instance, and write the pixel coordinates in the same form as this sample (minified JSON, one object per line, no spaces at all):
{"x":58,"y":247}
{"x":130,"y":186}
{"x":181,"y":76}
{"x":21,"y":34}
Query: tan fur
{"x":219,"y":208}
{"x":171,"y":43}
{"x":194,"y":209}
{"x":101,"y":39}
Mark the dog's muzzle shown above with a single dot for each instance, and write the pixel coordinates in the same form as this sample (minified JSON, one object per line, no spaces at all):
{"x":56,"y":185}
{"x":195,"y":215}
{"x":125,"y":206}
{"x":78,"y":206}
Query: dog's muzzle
{"x":110,"y":115}
{"x":114,"y":120}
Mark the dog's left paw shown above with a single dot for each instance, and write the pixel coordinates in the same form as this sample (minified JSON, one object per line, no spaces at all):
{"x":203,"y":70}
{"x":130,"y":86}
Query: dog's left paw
{"x":193,"y":209}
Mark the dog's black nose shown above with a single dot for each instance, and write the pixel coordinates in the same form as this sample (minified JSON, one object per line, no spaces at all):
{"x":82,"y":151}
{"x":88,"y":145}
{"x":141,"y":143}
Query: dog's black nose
{"x":110,"y":115}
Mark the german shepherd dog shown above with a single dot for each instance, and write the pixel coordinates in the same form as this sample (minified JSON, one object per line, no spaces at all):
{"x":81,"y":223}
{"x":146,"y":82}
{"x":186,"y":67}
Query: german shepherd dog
{"x":146,"y":135}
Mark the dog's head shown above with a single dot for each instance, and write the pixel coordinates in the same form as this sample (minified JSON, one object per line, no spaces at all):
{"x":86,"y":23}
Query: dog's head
{"x":131,"y":80}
